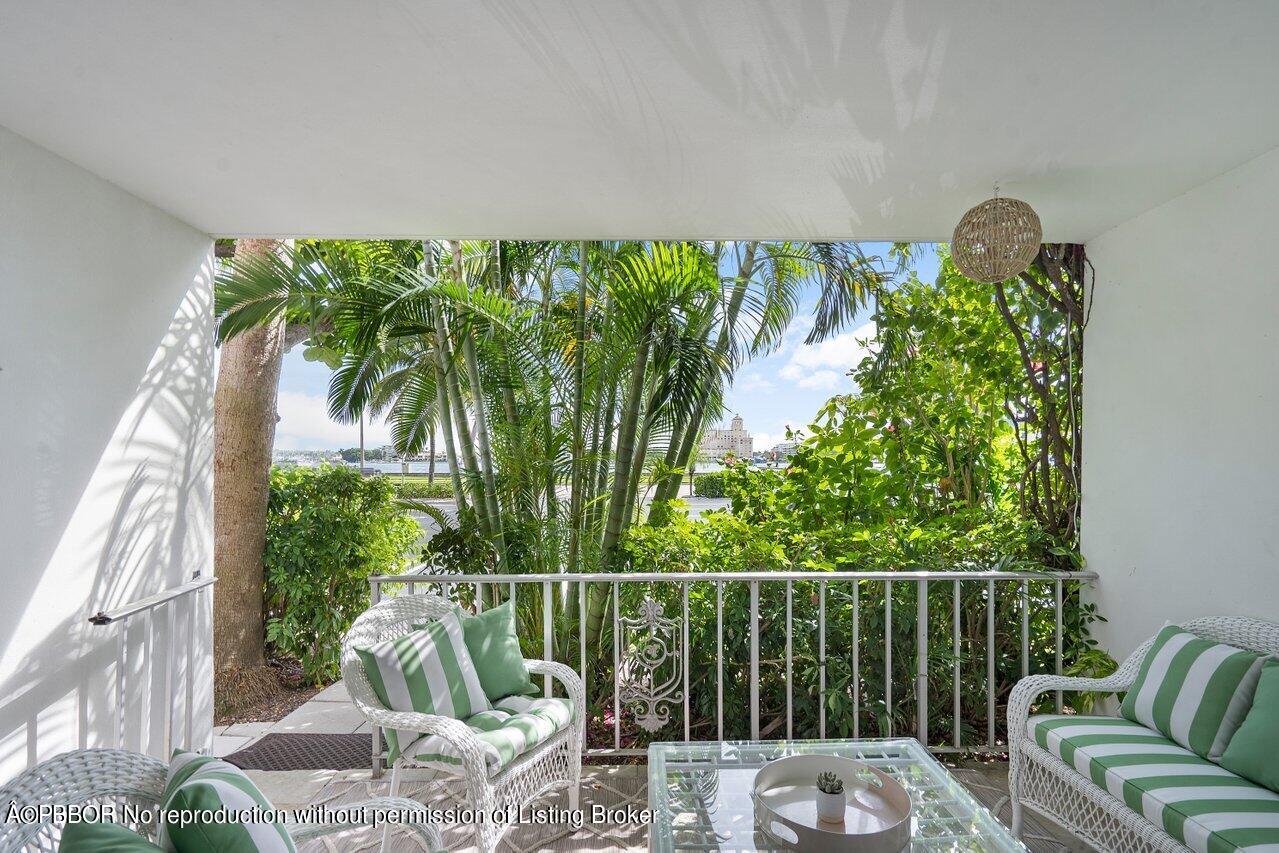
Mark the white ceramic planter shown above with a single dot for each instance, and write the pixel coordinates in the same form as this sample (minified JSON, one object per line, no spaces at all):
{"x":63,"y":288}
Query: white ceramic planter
{"x":830,"y":807}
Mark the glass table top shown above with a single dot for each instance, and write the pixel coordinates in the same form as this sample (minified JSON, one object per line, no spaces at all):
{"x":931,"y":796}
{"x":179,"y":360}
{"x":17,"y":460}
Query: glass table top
{"x":700,"y":794}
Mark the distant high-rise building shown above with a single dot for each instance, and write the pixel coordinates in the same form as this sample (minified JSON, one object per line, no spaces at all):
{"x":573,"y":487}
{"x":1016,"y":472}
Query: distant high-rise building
{"x":718,"y":443}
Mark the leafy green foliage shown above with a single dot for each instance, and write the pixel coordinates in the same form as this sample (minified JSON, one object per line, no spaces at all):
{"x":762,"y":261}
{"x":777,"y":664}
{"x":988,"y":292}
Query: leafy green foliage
{"x":418,"y":488}
{"x":328,"y":530}
{"x":920,"y":470}
{"x":709,"y":485}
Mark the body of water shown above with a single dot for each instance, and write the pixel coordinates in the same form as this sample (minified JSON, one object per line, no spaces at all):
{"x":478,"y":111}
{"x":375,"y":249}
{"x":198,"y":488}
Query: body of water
{"x":442,"y":467}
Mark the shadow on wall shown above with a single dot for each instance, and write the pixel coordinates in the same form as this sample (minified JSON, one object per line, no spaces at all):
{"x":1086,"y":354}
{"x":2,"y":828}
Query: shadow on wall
{"x":141,"y":524}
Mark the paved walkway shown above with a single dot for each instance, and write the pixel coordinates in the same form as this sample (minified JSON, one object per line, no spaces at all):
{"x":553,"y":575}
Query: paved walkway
{"x":331,"y":712}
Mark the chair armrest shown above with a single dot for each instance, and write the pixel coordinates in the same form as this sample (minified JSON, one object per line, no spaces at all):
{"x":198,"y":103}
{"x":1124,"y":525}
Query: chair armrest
{"x":371,"y":813}
{"x":566,"y":676}
{"x":470,"y":748}
{"x":1027,"y":689}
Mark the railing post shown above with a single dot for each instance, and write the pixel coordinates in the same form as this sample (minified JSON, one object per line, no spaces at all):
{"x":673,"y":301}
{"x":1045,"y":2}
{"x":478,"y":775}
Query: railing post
{"x":581,"y":634}
{"x":548,"y":641}
{"x":754,"y":588}
{"x":921,"y":663}
{"x":719,"y":659}
{"x":121,"y":660}
{"x":857,"y":671}
{"x":888,"y":657}
{"x":955,"y":670}
{"x":1025,"y":628}
{"x":617,"y":675}
{"x":1058,"y":595}
{"x":790,"y":662}
{"x":821,"y":658}
{"x":684,"y":650}
{"x":990,"y":664}
{"x":375,"y":596}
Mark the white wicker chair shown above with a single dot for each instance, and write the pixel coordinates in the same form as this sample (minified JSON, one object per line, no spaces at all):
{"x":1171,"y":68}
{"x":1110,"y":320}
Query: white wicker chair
{"x":102,"y":777}
{"x":555,"y":763}
{"x":1039,"y":779}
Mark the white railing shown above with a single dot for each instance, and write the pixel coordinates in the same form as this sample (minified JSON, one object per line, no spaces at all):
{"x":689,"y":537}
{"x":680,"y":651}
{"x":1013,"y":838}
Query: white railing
{"x":654,"y":698}
{"x":163,"y":605}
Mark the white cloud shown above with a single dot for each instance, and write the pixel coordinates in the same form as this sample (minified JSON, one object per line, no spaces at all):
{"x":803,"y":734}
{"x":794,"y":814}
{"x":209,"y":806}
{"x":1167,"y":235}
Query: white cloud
{"x":305,"y":425}
{"x":751,"y":381}
{"x":823,"y":366}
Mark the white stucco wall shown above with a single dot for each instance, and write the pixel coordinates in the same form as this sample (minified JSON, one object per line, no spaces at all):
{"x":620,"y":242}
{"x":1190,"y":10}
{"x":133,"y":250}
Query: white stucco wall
{"x":1181,"y":409}
{"x":106,"y":370}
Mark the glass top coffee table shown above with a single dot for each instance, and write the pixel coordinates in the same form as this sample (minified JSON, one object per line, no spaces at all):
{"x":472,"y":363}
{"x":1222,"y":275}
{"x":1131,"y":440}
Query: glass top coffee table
{"x":700,"y":794}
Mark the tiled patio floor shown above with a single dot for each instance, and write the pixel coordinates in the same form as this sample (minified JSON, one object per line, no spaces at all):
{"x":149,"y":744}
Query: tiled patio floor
{"x":331,"y":712}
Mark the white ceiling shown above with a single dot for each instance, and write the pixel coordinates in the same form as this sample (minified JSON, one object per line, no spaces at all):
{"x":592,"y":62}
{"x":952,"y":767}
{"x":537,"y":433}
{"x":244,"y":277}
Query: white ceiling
{"x":643,"y":118}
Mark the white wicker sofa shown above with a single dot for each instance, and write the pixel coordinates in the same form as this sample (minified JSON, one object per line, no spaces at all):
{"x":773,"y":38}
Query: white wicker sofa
{"x":552,"y":764}
{"x":103,"y":777}
{"x":1040,"y":779}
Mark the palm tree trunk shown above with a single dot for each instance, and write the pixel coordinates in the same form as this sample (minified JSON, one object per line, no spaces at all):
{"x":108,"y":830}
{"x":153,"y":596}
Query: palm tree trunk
{"x":447,"y":374}
{"x":616,"y":521}
{"x":579,"y":439}
{"x":443,"y":397}
{"x":472,"y":365}
{"x":430,"y":470}
{"x":244,"y":406}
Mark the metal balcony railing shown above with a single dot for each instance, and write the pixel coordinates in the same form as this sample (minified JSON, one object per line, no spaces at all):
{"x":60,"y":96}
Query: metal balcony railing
{"x":648,"y":625}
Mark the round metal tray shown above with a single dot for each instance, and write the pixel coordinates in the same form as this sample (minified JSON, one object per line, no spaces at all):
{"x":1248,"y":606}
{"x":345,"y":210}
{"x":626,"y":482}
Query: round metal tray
{"x":876,"y":818}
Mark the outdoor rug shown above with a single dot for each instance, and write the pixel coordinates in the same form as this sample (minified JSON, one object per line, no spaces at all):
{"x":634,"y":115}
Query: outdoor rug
{"x":293,"y":751}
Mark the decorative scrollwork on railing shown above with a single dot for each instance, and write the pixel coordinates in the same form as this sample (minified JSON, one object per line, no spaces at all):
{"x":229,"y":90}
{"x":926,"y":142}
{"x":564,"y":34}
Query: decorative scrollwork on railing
{"x":650,"y":670}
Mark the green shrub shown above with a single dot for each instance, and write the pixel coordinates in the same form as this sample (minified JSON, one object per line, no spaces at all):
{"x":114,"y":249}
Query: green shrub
{"x":328,"y":530}
{"x":418,"y":488}
{"x":725,"y":542}
{"x":710,"y":485}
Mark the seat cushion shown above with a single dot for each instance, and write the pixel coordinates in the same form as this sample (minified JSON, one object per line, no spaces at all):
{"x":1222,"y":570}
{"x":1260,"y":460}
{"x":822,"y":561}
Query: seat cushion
{"x":1193,"y":691}
{"x":514,"y":726}
{"x":1253,"y":749}
{"x":92,"y":837}
{"x":1202,"y":805}
{"x":428,"y":671}
{"x":201,"y":784}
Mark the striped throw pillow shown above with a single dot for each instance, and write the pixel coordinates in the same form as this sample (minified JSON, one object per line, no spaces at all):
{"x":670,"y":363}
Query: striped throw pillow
{"x":1193,"y":691}
{"x":198,"y":783}
{"x":428,"y":671}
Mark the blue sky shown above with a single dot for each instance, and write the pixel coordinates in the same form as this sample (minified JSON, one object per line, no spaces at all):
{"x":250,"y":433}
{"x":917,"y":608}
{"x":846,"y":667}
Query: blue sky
{"x":784,"y":388}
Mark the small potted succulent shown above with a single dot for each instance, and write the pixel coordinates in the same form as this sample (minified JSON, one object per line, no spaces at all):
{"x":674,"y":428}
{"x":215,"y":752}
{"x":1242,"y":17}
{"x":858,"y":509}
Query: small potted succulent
{"x":831,"y":798}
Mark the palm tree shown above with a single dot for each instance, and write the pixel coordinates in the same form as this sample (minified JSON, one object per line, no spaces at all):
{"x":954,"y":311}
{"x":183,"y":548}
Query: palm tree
{"x":546,"y":364}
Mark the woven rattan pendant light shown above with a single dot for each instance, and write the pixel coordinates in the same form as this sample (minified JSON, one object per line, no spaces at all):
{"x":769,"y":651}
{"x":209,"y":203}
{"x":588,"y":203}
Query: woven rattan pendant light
{"x":996,"y":240}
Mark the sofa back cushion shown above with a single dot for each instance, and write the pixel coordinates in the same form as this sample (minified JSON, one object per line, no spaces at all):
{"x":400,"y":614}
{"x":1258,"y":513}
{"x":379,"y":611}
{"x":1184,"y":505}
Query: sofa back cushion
{"x":1252,"y":750}
{"x":428,"y":671}
{"x":1193,"y":691}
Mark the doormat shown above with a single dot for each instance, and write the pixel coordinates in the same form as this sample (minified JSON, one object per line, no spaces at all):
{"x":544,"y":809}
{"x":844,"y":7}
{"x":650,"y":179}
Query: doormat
{"x":292,"y":751}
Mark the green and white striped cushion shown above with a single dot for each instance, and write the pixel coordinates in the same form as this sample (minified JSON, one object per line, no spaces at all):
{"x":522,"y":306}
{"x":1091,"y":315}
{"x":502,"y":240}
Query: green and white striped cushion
{"x":512,"y":728}
{"x":199,"y":783}
{"x":428,"y":671}
{"x":1194,"y":691}
{"x":1207,"y":808}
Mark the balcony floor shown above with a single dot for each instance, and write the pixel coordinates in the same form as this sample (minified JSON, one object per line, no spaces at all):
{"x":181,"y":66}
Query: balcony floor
{"x":331,"y":712}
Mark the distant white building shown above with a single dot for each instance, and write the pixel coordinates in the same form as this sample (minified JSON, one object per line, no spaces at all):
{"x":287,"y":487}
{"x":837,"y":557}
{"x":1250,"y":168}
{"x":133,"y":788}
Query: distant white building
{"x":718,"y":443}
{"x":784,"y":449}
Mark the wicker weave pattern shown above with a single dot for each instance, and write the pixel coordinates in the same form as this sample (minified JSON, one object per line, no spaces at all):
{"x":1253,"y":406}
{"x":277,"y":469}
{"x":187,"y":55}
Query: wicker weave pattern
{"x":1038,"y":779}
{"x":996,"y":240}
{"x":554,"y":763}
{"x":102,"y":776}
